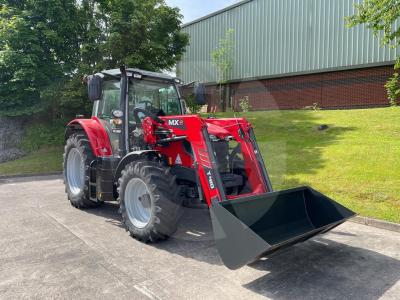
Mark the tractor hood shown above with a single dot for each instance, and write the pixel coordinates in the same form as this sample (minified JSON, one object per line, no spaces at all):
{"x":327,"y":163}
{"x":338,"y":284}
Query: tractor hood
{"x":217,"y":131}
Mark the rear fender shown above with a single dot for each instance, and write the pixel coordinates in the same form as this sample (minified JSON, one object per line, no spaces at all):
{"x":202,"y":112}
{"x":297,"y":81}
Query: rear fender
{"x":96,"y":133}
{"x":132,"y":157}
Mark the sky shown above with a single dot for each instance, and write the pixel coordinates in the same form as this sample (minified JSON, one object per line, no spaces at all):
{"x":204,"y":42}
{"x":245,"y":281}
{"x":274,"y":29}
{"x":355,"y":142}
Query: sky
{"x":193,"y":9}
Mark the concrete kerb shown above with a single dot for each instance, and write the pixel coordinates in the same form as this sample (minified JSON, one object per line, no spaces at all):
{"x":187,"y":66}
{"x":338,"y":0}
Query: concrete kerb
{"x":30,"y":177}
{"x":376,"y":223}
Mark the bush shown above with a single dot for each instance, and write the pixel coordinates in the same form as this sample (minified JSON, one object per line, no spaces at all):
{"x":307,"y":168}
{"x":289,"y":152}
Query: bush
{"x":39,"y":135}
{"x":393,"y":89}
{"x":244,"y":104}
{"x":192,"y":105}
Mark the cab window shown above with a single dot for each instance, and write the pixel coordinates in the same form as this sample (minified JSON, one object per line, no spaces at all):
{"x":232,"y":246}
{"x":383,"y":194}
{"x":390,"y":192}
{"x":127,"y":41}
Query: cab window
{"x":109,"y":100}
{"x":155,"y":96}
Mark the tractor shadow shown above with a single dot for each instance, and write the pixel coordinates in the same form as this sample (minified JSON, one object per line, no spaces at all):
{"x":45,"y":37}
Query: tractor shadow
{"x":319,"y":268}
{"x":325,"y":269}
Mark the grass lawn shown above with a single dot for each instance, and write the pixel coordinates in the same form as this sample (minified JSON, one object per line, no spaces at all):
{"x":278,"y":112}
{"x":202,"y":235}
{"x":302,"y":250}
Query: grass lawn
{"x":45,"y":160}
{"x":355,"y":161}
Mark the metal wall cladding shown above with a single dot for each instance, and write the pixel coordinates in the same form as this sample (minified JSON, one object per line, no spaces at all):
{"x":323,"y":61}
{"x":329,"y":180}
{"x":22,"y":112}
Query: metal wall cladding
{"x":282,"y":37}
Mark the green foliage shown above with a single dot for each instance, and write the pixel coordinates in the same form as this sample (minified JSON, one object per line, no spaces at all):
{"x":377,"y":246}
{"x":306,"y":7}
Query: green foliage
{"x":222,"y":56}
{"x":380,"y":16}
{"x":393,"y":86}
{"x":38,"y":46}
{"x":39,"y":135}
{"x":393,"y":89}
{"x":47,"y":46}
{"x":144,"y":34}
{"x":192,"y":105}
{"x":244,"y":104}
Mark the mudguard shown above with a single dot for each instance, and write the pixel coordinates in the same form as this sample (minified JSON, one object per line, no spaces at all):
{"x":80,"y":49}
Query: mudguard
{"x":131,"y":157}
{"x":97,"y":135}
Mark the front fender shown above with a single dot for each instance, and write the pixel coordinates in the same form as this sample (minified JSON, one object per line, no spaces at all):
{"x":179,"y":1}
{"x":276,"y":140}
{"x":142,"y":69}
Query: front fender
{"x":96,"y":133}
{"x":131,"y":157}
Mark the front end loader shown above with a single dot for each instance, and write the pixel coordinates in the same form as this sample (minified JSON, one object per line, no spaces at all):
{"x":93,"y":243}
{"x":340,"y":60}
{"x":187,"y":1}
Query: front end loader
{"x":140,"y":148}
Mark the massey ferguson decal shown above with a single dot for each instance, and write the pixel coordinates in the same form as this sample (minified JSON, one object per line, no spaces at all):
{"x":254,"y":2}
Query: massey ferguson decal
{"x":177,"y":123}
{"x":210,"y":177}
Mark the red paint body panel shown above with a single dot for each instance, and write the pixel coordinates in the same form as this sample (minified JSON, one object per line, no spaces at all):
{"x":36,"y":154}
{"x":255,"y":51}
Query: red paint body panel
{"x":97,"y":135}
{"x":192,"y":127}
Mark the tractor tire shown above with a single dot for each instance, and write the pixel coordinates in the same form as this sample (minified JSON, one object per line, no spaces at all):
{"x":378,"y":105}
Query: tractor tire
{"x":149,"y":201}
{"x":76,"y":165}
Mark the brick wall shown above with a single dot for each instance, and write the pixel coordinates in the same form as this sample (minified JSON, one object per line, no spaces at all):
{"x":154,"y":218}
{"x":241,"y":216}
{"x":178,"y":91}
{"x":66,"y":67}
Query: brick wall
{"x":331,"y":90}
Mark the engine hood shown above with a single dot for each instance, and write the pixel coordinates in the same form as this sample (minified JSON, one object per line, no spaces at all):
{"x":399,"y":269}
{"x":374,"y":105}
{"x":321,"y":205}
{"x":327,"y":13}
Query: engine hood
{"x":217,"y":131}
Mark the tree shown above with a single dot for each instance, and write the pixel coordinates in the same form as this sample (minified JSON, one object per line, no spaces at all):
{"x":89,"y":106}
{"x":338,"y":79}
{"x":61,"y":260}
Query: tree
{"x":380,"y":16}
{"x":222,"y":58}
{"x":143,"y":34}
{"x":46,"y":46}
{"x":38,"y":46}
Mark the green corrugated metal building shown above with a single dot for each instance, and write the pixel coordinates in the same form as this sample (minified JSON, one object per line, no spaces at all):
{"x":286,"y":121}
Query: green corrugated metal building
{"x":302,"y":44}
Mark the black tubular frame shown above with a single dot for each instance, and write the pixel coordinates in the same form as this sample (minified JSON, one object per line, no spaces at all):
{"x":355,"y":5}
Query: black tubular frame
{"x":124,"y":145}
{"x":260,"y":160}
{"x":214,"y":165}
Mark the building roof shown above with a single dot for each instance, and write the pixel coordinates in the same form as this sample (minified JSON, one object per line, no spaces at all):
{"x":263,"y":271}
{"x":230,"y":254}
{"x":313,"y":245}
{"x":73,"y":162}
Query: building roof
{"x":279,"y":38}
{"x":216,"y":13}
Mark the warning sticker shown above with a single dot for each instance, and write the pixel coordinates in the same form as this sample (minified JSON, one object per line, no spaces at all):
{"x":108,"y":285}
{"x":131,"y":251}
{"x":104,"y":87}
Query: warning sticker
{"x":178,"y":160}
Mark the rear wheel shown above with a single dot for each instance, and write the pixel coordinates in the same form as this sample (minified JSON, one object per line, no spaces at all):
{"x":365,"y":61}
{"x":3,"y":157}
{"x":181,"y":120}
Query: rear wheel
{"x":149,"y":201}
{"x":77,"y":158}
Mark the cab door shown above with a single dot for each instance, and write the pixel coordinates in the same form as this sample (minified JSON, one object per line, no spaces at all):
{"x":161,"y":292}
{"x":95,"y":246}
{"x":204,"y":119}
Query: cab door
{"x":109,"y":102}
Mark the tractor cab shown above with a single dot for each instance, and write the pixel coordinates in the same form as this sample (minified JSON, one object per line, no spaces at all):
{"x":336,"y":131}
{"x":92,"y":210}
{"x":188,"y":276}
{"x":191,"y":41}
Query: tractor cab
{"x":145,"y":91}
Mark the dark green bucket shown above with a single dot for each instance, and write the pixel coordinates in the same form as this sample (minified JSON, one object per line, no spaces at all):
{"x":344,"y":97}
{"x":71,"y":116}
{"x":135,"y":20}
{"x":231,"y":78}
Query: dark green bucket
{"x":249,"y":228}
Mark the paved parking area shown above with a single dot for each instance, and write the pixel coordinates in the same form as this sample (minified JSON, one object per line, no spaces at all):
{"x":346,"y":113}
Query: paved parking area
{"x":48,"y":249}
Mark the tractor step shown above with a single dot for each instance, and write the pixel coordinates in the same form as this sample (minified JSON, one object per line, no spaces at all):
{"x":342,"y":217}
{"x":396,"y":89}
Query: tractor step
{"x":249,"y":228}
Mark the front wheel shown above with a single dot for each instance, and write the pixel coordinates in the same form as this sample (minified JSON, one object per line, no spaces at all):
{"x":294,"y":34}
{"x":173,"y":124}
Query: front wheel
{"x":149,"y":201}
{"x":77,"y":157}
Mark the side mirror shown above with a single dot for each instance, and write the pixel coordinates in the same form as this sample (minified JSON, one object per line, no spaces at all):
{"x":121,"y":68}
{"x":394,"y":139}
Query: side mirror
{"x":200,"y":94}
{"x":95,"y":87}
{"x":184,"y":106}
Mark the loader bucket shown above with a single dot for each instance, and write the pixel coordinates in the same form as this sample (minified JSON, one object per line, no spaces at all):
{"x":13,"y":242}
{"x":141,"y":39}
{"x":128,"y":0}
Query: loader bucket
{"x":248,"y":228}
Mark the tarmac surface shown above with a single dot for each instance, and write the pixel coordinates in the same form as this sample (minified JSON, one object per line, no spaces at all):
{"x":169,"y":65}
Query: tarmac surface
{"x":48,"y":249}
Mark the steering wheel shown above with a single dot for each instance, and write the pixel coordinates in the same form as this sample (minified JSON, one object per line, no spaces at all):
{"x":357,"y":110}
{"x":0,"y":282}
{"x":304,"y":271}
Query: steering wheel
{"x":147,"y":113}
{"x":147,"y":103}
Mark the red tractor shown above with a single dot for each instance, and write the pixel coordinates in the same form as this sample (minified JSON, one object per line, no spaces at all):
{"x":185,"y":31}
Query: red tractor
{"x":141,"y":149}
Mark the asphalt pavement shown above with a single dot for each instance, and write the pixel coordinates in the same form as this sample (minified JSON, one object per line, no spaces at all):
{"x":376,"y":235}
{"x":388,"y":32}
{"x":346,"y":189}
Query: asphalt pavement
{"x":48,"y":249}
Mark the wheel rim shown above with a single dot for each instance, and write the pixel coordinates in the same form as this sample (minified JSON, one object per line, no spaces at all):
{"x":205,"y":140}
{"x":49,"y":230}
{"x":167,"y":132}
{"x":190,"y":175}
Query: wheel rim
{"x":75,"y":171}
{"x":138,"y":202}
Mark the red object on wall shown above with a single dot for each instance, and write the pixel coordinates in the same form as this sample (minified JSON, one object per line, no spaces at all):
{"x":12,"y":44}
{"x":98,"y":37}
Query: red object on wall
{"x":356,"y":88}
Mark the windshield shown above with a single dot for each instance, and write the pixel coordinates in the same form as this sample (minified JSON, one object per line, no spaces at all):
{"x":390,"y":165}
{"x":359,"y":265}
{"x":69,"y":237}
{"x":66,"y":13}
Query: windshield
{"x":158,"y":97}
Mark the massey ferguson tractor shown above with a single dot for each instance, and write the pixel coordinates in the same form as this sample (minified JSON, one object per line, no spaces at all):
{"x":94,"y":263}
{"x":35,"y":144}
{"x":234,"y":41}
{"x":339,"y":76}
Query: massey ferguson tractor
{"x":141,"y":149}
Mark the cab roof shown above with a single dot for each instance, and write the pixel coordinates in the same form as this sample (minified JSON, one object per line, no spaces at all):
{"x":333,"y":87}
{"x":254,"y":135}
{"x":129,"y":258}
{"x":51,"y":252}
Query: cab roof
{"x":117,"y":73}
